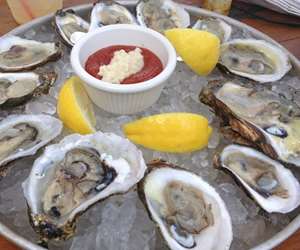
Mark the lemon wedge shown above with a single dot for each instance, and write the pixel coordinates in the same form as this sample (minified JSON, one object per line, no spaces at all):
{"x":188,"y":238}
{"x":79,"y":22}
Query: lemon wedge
{"x":171,"y":132}
{"x":200,"y":50}
{"x":75,"y":108}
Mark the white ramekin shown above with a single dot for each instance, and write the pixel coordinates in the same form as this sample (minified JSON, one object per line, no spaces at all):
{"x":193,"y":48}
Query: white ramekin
{"x":127,"y":98}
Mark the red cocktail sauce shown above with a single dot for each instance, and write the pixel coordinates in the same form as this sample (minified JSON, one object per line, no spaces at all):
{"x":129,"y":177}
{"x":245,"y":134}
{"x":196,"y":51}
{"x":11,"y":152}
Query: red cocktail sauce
{"x":152,"y":64}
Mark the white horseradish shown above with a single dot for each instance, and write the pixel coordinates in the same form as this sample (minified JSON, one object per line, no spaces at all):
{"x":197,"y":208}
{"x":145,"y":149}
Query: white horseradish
{"x":122,"y":65}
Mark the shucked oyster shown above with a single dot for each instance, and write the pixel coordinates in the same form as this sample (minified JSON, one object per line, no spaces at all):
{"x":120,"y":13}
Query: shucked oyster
{"x":67,"y":22}
{"x":161,"y":15}
{"x":18,"y":54}
{"x":260,"y":116}
{"x":23,"y":135}
{"x":273,"y":186}
{"x":216,"y":26}
{"x":76,"y":173}
{"x":189,"y":212}
{"x":109,"y":12}
{"x":255,"y":59}
{"x":16,"y":88}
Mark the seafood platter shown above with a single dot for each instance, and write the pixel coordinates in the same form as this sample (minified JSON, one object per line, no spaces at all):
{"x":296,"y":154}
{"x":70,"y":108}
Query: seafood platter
{"x":206,"y":159}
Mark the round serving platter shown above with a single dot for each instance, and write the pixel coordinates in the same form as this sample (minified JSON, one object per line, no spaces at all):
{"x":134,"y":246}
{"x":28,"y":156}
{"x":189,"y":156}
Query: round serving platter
{"x":43,"y":23}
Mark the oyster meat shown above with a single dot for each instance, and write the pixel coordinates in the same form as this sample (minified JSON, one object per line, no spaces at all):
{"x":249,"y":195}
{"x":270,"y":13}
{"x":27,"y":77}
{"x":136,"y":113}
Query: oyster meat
{"x":273,"y":186}
{"x":76,"y":173}
{"x":216,"y":26}
{"x":67,"y":23}
{"x":188,"y":211}
{"x":254,"y":59}
{"x":261,"y":116}
{"x":109,"y":12}
{"x":18,"y":54}
{"x":23,"y":135}
{"x":161,"y":15}
{"x":16,"y":88}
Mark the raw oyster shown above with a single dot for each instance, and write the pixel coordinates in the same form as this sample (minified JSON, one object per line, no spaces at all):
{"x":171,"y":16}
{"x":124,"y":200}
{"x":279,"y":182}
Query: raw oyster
{"x":254,"y":59}
{"x":16,"y":88}
{"x":23,"y":135}
{"x":18,"y":54}
{"x":273,"y":186}
{"x":76,"y":173}
{"x":216,"y":26}
{"x":261,"y":116}
{"x":109,"y":12}
{"x":67,"y":22}
{"x":161,"y":15}
{"x":189,"y":212}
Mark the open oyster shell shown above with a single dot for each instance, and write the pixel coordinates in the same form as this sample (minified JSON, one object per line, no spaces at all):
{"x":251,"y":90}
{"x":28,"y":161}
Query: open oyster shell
{"x":76,"y":173}
{"x":23,"y":135}
{"x":17,"y":88}
{"x":161,"y":15}
{"x":188,"y":211}
{"x":18,"y":54}
{"x":67,"y":23}
{"x":109,"y":12}
{"x":254,"y":59}
{"x":260,"y":116}
{"x":216,"y":26}
{"x":272,"y":186}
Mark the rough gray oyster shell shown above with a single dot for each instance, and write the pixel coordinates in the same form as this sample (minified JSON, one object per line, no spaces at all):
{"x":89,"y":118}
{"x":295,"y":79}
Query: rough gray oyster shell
{"x":261,"y":116}
{"x":161,"y":15}
{"x":67,"y":23}
{"x":76,"y":173}
{"x":17,"y":88}
{"x":254,"y":59}
{"x":188,"y":211}
{"x":18,"y":54}
{"x":271,"y":185}
{"x":23,"y":135}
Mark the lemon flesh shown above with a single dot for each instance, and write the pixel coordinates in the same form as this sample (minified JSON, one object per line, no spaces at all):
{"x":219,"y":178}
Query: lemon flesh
{"x":171,"y":132}
{"x":200,"y":50}
{"x":74,"y":107}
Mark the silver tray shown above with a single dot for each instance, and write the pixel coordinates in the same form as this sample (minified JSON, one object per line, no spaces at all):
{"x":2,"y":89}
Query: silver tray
{"x":83,"y":10}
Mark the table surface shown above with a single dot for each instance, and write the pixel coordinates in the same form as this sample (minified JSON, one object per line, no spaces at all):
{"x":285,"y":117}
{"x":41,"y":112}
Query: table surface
{"x":264,"y":20}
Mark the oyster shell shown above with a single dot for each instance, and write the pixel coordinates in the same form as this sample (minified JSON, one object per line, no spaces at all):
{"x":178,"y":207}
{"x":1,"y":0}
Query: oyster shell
{"x":67,"y":22}
{"x":18,"y":54}
{"x":161,"y":15}
{"x":188,"y":211}
{"x":254,"y":59}
{"x":260,"y":116}
{"x":17,"y":88}
{"x":23,"y":135}
{"x":76,"y":173}
{"x":273,"y":186}
{"x":109,"y":12}
{"x":216,"y":26}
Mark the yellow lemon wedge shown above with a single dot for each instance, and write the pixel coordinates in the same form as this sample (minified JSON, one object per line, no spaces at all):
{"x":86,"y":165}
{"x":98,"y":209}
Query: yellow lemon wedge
{"x":200,"y":50}
{"x":171,"y":132}
{"x":75,"y":108}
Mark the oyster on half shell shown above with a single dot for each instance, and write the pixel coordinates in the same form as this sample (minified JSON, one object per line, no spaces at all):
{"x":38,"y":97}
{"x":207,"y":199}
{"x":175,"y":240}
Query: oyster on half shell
{"x":18,"y":54}
{"x":254,"y":59}
{"x":188,"y":211}
{"x":161,"y":15}
{"x":261,"y":116}
{"x":109,"y":12}
{"x":272,"y":186}
{"x":216,"y":26}
{"x":75,"y":174}
{"x":17,"y":88}
{"x":67,"y":23}
{"x":23,"y":135}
